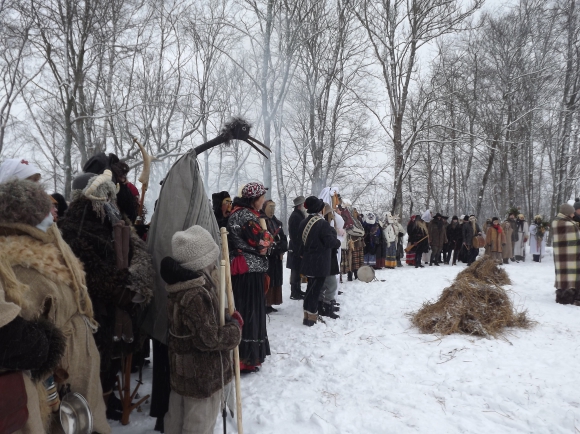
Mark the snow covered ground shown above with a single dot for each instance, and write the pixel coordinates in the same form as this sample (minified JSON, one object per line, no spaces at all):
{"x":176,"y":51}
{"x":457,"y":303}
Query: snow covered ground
{"x":371,"y":372}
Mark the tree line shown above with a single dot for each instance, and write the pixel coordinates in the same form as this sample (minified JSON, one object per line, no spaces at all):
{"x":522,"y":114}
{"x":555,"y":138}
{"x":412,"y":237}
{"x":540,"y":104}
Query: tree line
{"x":404,"y":104}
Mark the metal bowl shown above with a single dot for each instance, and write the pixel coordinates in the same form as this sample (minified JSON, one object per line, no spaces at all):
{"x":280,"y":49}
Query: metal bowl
{"x":75,"y":414}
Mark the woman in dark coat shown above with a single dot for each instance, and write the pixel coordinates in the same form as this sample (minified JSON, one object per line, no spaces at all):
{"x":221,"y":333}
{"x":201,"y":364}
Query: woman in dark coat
{"x":249,"y":244}
{"x":275,"y":256}
{"x":318,"y":239}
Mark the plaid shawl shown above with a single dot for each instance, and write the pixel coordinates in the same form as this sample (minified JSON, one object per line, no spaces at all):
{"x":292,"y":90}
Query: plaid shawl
{"x":566,"y":251}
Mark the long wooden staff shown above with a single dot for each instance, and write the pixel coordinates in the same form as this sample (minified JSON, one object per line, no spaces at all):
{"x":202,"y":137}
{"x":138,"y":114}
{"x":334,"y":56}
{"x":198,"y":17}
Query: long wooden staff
{"x":411,"y":246}
{"x":231,"y":310}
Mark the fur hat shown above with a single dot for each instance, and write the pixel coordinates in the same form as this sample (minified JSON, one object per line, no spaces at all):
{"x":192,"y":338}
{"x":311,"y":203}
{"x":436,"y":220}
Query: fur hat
{"x":538,"y":217}
{"x":494,"y":219}
{"x":438,"y":215}
{"x":454,"y":218}
{"x":299,"y":200}
{"x":566,"y":209}
{"x":577,"y":203}
{"x":465,"y":218}
{"x":23,"y":201}
{"x":313,"y":205}
{"x":194,"y":248}
{"x":521,"y":217}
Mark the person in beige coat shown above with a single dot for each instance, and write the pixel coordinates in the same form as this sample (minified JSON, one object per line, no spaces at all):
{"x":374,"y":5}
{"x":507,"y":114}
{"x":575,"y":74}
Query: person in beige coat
{"x":508,"y":249}
{"x":495,"y":240}
{"x":42,"y":276}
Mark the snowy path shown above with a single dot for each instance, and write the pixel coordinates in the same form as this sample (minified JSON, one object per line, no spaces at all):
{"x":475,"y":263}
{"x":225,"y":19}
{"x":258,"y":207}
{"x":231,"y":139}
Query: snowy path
{"x":369,"y":372}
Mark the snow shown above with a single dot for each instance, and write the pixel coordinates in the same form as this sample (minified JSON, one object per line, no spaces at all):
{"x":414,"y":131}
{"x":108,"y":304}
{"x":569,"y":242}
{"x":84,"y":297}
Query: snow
{"x":371,"y":372}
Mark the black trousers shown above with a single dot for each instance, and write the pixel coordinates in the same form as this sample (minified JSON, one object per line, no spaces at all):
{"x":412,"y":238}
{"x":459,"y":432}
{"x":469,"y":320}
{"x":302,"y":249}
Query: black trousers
{"x":419,"y":253}
{"x":473,"y":252}
{"x":295,"y":280}
{"x":313,"y":289}
{"x":160,"y":384}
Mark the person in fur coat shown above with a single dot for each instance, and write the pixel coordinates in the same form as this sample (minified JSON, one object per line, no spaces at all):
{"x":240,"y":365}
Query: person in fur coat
{"x":507,"y":251}
{"x":199,"y":347}
{"x":495,"y":240}
{"x":31,"y":349}
{"x":437,"y":238}
{"x":566,"y":245}
{"x":119,"y":272}
{"x":44,"y":278}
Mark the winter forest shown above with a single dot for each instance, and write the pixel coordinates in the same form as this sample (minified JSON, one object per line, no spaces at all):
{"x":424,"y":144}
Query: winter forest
{"x":456,"y":106}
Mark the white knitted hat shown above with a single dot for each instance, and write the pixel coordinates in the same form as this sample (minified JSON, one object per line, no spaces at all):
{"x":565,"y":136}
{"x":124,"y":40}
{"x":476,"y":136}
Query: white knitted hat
{"x":194,"y":248}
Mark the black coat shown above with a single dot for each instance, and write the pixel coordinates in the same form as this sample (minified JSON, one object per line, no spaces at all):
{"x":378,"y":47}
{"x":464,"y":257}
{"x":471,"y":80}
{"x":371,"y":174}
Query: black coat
{"x":316,"y":253}
{"x":454,"y":236}
{"x":293,"y":258}
{"x":468,"y":234}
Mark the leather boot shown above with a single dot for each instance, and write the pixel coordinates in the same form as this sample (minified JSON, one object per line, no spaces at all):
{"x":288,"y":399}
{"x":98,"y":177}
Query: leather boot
{"x":349,"y":276}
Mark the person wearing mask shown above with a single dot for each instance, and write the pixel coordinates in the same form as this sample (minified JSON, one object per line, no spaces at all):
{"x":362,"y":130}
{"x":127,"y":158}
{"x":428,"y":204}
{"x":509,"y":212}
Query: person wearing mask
{"x":495,"y":240}
{"x":222,"y":207}
{"x":318,"y":240}
{"x":199,"y":347}
{"x":275,"y":256}
{"x":566,"y":243}
{"x":293,"y":257}
{"x":249,"y":245}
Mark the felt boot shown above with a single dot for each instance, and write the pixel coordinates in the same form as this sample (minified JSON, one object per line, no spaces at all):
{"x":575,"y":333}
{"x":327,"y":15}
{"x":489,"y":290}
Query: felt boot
{"x":310,"y":318}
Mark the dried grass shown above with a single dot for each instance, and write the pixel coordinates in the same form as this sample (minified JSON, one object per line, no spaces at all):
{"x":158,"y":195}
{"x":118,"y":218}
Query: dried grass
{"x":474,"y":304}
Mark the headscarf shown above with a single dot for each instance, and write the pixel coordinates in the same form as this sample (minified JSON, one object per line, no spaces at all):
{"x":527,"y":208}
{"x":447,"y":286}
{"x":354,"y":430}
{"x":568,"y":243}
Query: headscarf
{"x":16,"y":168}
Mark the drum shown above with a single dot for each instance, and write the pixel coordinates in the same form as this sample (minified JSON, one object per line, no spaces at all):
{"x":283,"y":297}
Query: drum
{"x":366,"y":274}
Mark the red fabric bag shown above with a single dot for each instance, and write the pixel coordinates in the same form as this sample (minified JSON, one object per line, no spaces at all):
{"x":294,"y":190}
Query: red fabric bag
{"x":239,"y":265}
{"x":13,"y":402}
{"x":410,"y":258}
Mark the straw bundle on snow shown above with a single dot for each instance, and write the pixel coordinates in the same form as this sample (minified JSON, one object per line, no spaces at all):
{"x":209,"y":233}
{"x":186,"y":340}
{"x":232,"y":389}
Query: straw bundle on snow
{"x":474,"y":304}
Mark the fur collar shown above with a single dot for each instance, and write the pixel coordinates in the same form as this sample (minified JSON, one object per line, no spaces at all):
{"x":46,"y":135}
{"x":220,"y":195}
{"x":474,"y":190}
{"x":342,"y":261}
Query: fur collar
{"x":44,"y":257}
{"x":188,"y":284}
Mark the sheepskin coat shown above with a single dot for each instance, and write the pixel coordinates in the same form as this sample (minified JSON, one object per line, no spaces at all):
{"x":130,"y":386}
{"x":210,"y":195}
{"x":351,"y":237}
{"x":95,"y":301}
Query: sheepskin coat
{"x":45,"y":288}
{"x":523,"y":233}
{"x":437,"y":233}
{"x":90,"y":239}
{"x":508,"y":249}
{"x":537,"y":245}
{"x":199,"y":348}
{"x":495,"y":240}
{"x":566,"y":243}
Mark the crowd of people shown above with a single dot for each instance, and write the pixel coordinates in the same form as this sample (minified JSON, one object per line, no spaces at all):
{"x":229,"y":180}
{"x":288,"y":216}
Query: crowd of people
{"x":76,"y":279}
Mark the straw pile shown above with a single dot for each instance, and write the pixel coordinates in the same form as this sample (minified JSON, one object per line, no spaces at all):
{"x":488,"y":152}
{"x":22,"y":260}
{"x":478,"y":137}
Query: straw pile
{"x":474,"y":304}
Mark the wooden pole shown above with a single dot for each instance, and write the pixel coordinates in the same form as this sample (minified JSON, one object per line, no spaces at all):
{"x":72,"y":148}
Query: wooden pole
{"x":222,"y":293}
{"x":231,"y":310}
